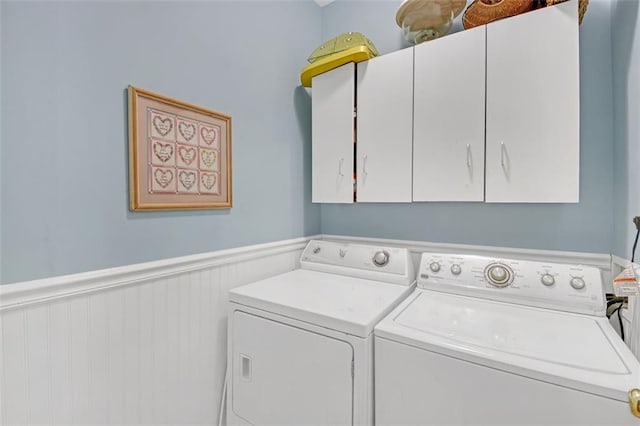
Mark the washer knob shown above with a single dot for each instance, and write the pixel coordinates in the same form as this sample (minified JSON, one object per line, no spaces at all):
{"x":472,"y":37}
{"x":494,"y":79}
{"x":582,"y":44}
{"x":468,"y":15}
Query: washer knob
{"x":498,"y":275}
{"x":434,"y":266}
{"x":381,"y":258}
{"x":548,"y":280}
{"x":577,"y":283}
{"x":456,"y":269}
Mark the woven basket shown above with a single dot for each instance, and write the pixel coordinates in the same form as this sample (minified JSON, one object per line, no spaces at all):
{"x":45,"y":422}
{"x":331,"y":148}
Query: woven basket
{"x":482,"y":12}
{"x":582,"y":6}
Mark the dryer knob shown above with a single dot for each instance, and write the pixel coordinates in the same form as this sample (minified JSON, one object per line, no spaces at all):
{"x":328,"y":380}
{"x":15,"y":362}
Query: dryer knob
{"x":381,"y":258}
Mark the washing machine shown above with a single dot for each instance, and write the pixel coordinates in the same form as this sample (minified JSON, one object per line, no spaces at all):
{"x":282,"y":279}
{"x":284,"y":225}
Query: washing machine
{"x":301,"y":343}
{"x":487,"y":341}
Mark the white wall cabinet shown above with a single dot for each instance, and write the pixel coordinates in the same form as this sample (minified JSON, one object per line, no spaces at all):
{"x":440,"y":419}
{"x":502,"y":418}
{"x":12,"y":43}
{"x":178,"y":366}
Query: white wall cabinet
{"x":491,"y":113}
{"x":384,"y":128}
{"x":332,"y":135}
{"x":533,"y":107}
{"x":449,"y":114}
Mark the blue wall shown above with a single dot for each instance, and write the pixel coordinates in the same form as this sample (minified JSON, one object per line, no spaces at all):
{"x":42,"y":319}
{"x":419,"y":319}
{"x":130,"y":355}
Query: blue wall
{"x":65,"y":68}
{"x":586,"y":226}
{"x":626,"y":74}
{"x":63,"y":168}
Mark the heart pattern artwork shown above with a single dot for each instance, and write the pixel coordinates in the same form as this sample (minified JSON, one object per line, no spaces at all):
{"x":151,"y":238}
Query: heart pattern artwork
{"x":208,"y":158}
{"x":187,"y":179}
{"x":163,"y":177}
{"x":162,"y":125}
{"x":208,"y":180}
{"x":163,"y":151}
{"x":187,"y":130}
{"x":187,"y":155}
{"x":184,"y":156}
{"x":208,"y":135}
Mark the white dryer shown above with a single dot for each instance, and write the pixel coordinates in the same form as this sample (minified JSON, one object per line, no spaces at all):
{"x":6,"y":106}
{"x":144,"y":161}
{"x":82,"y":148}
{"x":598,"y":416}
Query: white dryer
{"x":301,"y":343}
{"x":502,"y":342}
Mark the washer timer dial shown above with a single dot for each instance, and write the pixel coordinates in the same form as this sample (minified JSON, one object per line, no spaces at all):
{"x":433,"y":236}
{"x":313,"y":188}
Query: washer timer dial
{"x":498,"y":274}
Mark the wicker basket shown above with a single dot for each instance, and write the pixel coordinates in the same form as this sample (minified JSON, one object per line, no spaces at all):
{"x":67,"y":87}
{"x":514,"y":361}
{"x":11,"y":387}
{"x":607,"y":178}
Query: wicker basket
{"x":482,"y":12}
{"x":582,"y":6}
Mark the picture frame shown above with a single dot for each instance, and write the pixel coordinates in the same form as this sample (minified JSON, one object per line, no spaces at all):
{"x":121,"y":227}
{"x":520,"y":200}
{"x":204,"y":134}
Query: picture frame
{"x":179,"y":154}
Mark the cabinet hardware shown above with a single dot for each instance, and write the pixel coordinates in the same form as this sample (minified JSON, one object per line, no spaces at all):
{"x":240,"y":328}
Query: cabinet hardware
{"x":634,"y":402}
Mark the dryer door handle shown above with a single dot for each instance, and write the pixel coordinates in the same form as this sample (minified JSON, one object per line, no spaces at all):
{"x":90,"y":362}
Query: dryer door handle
{"x":245,"y":367}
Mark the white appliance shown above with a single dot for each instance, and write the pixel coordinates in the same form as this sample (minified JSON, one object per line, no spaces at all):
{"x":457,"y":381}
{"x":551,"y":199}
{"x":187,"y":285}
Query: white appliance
{"x":301,"y":343}
{"x":487,"y":341}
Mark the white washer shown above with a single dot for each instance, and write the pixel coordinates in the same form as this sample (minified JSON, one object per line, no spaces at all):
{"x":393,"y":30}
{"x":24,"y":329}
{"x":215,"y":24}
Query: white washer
{"x":502,"y":342}
{"x":301,"y":343}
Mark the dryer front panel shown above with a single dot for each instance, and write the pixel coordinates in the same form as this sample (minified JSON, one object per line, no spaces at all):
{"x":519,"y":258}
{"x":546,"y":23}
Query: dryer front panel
{"x":289,"y":376}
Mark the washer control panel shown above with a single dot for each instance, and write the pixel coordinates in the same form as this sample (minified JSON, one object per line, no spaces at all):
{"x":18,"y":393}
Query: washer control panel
{"x":391,"y":264}
{"x":566,"y":287}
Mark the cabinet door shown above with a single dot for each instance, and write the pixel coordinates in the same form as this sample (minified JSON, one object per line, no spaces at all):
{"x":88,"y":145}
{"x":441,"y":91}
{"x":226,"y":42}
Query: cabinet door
{"x":384,"y":134}
{"x":533,"y":107}
{"x":333,"y":102}
{"x":448,"y":138}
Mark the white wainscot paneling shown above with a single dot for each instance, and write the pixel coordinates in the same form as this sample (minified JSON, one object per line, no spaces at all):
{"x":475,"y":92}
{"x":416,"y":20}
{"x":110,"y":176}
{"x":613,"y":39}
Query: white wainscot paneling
{"x":144,"y":344}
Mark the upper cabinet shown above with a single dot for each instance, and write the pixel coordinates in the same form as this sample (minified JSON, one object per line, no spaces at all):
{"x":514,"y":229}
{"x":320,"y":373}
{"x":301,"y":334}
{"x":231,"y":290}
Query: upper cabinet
{"x":384,"y":128}
{"x":448,"y":126}
{"x":533,"y":107}
{"x":488,"y":114}
{"x":332,"y":135}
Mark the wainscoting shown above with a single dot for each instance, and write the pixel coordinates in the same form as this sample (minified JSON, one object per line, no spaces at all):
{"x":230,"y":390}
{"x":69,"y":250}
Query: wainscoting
{"x":144,"y":344}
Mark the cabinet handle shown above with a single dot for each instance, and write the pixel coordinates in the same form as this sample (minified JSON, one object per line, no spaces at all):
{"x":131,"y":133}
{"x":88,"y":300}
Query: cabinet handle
{"x":340,"y":162}
{"x":634,"y":402}
{"x":364,"y":164}
{"x":502,"y":148}
{"x":468,"y":156}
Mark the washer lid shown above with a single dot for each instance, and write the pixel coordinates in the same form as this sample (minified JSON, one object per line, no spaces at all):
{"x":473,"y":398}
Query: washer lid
{"x":346,"y":304}
{"x":577,"y":351}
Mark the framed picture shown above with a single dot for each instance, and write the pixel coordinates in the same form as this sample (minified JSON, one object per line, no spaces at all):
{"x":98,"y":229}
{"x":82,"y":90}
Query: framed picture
{"x":179,"y":154}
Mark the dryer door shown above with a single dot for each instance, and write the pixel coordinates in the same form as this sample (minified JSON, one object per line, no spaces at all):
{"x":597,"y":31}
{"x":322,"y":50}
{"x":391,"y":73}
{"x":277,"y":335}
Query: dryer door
{"x":288,"y":376}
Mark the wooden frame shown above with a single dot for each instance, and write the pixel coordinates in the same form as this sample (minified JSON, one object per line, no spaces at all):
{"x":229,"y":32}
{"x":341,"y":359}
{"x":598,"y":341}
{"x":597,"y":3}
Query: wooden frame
{"x":179,"y":154}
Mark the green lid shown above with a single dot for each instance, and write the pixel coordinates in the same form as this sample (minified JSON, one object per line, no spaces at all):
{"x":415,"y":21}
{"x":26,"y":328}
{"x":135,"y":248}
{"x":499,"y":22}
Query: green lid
{"x":342,"y":42}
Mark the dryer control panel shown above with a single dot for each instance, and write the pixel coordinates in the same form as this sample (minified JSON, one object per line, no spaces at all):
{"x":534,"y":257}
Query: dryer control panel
{"x":390,"y":264}
{"x":565,"y":287}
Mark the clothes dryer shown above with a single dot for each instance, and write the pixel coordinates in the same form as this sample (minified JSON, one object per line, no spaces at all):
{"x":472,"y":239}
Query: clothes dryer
{"x":301,"y":343}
